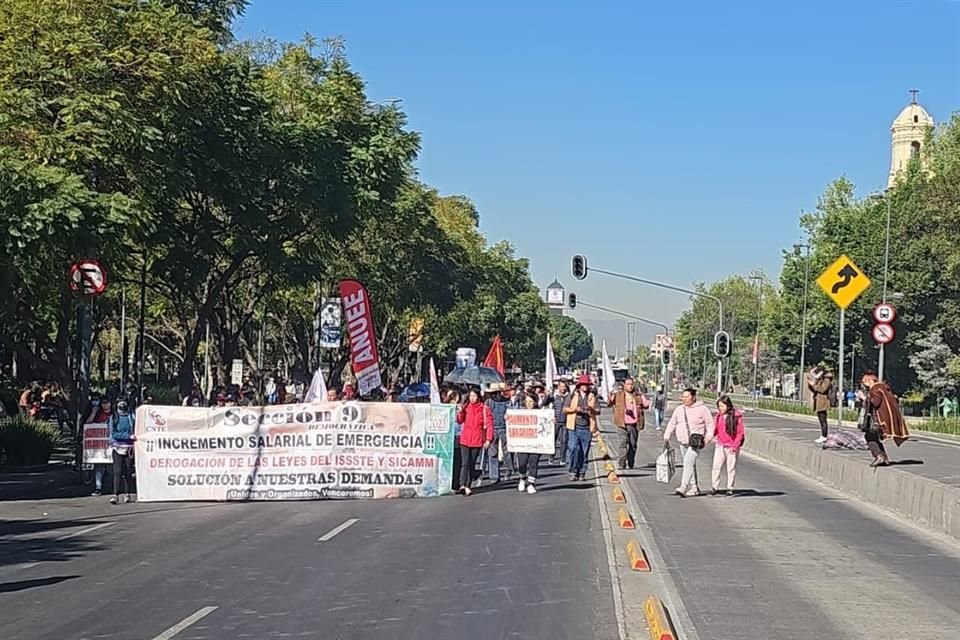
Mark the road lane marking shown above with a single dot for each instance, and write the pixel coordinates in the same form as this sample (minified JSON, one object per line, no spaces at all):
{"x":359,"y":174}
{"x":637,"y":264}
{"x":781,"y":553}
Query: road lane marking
{"x":338,"y":529}
{"x":186,"y":622}
{"x":83,"y":531}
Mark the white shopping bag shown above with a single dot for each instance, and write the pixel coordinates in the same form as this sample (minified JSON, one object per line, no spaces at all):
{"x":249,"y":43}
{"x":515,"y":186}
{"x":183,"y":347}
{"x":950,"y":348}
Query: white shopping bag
{"x":666,"y":465}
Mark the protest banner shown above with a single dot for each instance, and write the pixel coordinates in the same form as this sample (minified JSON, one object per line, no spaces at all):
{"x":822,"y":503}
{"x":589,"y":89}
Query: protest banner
{"x":96,"y":444}
{"x":530,"y":431}
{"x":364,"y":360}
{"x":294,"y":452}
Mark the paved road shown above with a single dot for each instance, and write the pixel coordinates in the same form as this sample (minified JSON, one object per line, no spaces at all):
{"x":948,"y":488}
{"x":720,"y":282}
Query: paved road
{"x":790,"y":559}
{"x":496,"y":565}
{"x":932,"y":456}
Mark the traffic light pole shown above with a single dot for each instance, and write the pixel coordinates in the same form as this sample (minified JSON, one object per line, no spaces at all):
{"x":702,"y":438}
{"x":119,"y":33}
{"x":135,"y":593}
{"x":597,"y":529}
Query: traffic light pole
{"x":666,"y":329}
{"x":671,"y":287}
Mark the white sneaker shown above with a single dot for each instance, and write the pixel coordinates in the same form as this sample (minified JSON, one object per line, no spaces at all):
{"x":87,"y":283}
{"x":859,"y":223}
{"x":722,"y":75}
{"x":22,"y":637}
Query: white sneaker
{"x":680,"y":491}
{"x":820,"y":440}
{"x":522,"y":486}
{"x":531,"y":489}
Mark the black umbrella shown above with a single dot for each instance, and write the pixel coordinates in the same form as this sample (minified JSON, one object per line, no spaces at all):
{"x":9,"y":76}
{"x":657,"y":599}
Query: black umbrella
{"x":476,"y":376}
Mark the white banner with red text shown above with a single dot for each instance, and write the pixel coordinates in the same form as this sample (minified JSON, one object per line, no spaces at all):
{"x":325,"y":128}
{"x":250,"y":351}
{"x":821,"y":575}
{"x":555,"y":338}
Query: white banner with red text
{"x":294,"y":452}
{"x":96,"y":444}
{"x":530,"y":431}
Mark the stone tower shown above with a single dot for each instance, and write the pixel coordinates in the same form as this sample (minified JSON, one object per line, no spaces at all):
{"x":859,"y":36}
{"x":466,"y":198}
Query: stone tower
{"x":909,"y":133}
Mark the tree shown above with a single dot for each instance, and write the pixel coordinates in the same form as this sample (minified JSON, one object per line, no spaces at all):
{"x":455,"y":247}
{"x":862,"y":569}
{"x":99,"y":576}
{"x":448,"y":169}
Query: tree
{"x":932,"y":362}
{"x":572,"y":343}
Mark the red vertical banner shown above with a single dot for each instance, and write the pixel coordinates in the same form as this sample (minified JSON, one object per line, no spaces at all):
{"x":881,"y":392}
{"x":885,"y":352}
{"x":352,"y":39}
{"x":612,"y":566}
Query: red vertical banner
{"x":494,"y":358}
{"x":358,"y":317}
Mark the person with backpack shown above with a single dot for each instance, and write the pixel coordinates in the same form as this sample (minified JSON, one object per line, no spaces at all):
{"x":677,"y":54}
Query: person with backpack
{"x":729,"y":438}
{"x":121,"y":444}
{"x":820,"y":382}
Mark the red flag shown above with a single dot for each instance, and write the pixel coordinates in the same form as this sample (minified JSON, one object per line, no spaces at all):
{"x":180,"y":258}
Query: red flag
{"x":494,"y":358}
{"x":363,"y":339}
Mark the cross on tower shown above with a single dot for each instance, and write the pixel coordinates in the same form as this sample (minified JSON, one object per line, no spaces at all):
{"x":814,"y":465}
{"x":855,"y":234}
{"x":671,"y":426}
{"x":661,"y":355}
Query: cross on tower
{"x":914,"y":93}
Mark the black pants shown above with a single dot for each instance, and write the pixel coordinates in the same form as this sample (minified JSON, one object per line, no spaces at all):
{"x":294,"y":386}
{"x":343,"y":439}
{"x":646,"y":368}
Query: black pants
{"x":468,"y":461}
{"x":628,"y":445}
{"x":560,"y":440}
{"x":822,"y":417}
{"x":874,"y":443}
{"x":457,"y":464}
{"x":529,"y":465}
{"x":122,"y":473}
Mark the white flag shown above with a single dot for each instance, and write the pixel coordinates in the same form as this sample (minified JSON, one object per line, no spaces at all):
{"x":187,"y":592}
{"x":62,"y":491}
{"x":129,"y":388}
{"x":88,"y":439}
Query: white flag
{"x":434,"y":384}
{"x":317,"y":392}
{"x":551,"y":372}
{"x":606,"y":382}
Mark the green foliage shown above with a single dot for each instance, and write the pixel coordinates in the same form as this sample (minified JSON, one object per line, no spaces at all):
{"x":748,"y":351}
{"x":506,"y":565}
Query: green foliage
{"x":572,"y":343}
{"x":26,"y":441}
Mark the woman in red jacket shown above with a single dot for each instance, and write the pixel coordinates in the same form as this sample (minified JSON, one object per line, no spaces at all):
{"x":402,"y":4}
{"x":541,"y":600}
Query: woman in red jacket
{"x":476,"y":434}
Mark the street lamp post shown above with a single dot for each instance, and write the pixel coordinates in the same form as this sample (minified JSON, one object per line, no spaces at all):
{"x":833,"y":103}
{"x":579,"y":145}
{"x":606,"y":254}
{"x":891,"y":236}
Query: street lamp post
{"x":580,"y":265}
{"x":756,"y":338}
{"x":801,"y":385}
{"x":886,"y":268}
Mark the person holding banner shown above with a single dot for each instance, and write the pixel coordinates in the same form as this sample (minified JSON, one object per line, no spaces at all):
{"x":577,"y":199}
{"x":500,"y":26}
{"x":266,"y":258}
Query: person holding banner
{"x":581,"y":410}
{"x":559,"y":401}
{"x":528,"y":463}
{"x":476,"y":434}
{"x":498,"y":404}
{"x":121,"y":443}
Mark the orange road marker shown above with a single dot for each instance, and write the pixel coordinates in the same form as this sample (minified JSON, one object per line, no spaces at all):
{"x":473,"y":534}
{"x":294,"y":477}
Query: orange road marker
{"x":626,"y":522}
{"x":638,"y":559}
{"x":618,"y":495}
{"x":657,"y":620}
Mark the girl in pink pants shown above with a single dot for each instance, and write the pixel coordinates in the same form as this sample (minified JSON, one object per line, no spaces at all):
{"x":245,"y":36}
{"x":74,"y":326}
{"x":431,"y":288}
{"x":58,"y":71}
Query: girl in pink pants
{"x":729,"y":438}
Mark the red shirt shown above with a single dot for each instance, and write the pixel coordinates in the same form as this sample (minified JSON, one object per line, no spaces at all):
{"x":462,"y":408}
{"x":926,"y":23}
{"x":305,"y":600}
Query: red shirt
{"x":477,"y":421}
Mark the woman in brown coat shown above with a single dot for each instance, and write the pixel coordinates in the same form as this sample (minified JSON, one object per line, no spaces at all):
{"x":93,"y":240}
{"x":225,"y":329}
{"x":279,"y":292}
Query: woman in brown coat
{"x":883,"y":419}
{"x":820,"y":383}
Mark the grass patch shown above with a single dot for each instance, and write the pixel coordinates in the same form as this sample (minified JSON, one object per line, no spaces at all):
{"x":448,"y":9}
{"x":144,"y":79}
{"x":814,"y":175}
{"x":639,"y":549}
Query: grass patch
{"x":940,"y":425}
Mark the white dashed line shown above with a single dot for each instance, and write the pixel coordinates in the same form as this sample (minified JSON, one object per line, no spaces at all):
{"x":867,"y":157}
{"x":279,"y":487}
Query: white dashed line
{"x":186,"y":622}
{"x":338,"y":529}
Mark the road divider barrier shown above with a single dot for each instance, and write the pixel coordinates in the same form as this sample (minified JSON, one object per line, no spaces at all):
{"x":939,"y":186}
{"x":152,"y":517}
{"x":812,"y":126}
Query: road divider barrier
{"x":618,"y":496}
{"x":609,"y":467}
{"x":638,"y":559}
{"x":613,"y":478}
{"x":657,"y":621}
{"x":623,"y":517}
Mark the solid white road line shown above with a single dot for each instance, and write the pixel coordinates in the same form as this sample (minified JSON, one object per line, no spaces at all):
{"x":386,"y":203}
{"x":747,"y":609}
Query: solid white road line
{"x":80,"y":532}
{"x":338,"y":529}
{"x":186,"y":622}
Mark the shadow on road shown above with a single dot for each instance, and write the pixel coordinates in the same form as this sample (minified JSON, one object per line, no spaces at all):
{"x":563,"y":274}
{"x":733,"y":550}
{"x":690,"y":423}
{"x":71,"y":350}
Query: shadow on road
{"x":23,"y":585}
{"x":903,"y":463}
{"x":15,"y":548}
{"x":753,"y":493}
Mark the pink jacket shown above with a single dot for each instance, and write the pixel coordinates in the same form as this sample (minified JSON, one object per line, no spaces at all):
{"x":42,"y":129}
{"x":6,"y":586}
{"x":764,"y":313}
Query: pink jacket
{"x":697,"y":417}
{"x":724,"y":439}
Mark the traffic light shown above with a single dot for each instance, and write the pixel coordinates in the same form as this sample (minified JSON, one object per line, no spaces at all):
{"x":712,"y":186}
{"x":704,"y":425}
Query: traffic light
{"x":572,"y":300}
{"x":721,"y":344}
{"x":579,"y":267}
{"x":665,"y":356}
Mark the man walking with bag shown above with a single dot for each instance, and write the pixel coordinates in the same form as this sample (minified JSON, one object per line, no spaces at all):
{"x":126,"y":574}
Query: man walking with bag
{"x":628,"y":417}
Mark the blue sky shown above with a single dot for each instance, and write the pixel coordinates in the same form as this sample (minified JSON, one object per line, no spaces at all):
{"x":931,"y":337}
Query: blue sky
{"x":677,"y":141}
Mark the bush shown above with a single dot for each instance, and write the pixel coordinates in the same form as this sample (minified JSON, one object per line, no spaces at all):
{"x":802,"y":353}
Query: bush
{"x":27,"y":441}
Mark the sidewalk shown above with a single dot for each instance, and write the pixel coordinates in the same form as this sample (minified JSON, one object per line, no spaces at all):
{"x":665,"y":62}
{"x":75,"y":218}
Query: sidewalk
{"x":931,"y":455}
{"x":922,"y":484}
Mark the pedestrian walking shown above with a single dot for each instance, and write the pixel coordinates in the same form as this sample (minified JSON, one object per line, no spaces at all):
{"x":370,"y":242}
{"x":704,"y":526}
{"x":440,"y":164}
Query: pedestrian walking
{"x":659,"y":407}
{"x":121,"y":445}
{"x":629,"y":406}
{"x":581,"y":411}
{"x":729,"y":438}
{"x":559,"y":400}
{"x":101,"y":411}
{"x":820,"y":382}
{"x":693,"y":424}
{"x":498,"y":403}
{"x":452,"y":397}
{"x":882,"y":418}
{"x":528,"y":464}
{"x":476,"y":434}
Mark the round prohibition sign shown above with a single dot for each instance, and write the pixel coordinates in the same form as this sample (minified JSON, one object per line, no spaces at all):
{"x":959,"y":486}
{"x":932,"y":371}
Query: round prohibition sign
{"x":885,"y":313}
{"x":883,"y":333}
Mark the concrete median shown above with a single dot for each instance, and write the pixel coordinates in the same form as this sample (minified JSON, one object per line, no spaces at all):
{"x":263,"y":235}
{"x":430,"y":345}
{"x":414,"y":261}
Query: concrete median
{"x":923,"y":501}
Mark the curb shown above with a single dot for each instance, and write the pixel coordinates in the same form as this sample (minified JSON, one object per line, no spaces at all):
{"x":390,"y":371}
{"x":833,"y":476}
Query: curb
{"x":638,"y":559}
{"x":618,"y":496}
{"x":926,"y":502}
{"x":626,"y":522}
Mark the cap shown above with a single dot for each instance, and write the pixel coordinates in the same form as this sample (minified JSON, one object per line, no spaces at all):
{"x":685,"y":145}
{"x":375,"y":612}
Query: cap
{"x":584,"y":379}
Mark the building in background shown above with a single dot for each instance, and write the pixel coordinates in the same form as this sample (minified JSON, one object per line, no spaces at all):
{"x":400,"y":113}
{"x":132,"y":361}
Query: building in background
{"x":909,"y":135}
{"x":556,"y":298}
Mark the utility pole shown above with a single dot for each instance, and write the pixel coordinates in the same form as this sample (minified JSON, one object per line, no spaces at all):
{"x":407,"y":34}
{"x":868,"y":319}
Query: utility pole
{"x":756,"y":338}
{"x":801,"y":384}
